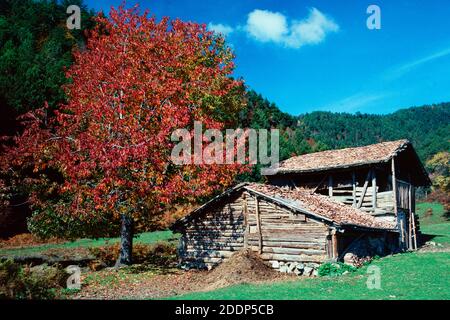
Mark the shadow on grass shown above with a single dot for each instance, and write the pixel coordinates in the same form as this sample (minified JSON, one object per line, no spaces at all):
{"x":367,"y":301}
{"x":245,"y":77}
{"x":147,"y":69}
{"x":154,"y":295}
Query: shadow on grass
{"x":427,"y":237}
{"x":149,"y":267}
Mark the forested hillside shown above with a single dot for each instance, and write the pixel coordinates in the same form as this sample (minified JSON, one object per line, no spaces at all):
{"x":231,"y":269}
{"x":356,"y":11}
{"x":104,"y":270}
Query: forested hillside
{"x":35,"y":49}
{"x":427,"y":127}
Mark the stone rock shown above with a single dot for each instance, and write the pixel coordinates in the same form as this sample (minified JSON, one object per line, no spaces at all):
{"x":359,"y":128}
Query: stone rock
{"x":349,"y":258}
{"x":315,"y":273}
{"x":300,"y":266}
{"x":283,"y":269}
{"x":298,"y":272}
{"x":40,"y":268}
{"x":275,"y":264}
{"x":291,"y":267}
{"x":307,"y":271}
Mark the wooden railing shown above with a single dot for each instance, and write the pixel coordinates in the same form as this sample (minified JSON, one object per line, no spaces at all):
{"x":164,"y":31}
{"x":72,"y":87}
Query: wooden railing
{"x":384,"y":202}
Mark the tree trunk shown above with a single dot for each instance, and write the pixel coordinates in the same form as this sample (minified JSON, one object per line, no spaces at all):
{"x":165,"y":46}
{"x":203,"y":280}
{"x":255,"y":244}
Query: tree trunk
{"x":126,"y":242}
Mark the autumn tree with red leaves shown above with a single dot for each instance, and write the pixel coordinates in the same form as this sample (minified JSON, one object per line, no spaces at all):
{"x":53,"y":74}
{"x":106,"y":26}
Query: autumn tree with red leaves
{"x":137,"y":81}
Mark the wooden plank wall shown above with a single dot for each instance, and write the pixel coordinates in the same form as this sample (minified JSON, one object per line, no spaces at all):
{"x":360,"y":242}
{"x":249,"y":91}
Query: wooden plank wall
{"x":286,"y":237}
{"x":214,"y":236}
{"x":403,"y":196}
{"x":283,"y":237}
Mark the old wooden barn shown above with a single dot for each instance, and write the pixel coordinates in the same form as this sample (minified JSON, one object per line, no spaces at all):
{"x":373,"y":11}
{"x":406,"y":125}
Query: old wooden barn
{"x":316,"y":208}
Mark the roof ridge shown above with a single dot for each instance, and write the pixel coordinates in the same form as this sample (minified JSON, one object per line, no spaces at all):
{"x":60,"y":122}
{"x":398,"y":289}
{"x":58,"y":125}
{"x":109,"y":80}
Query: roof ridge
{"x":404,"y":141}
{"x":343,"y":158}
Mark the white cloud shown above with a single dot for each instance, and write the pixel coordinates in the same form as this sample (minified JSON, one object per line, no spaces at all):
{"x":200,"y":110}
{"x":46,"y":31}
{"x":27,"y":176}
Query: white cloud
{"x":407,"y":67}
{"x":355,"y":102}
{"x":220,"y":28}
{"x":311,"y":30}
{"x":267,"y":26}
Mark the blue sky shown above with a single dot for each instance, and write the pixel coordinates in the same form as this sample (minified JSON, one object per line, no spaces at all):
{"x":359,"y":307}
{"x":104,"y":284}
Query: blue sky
{"x":319,"y":54}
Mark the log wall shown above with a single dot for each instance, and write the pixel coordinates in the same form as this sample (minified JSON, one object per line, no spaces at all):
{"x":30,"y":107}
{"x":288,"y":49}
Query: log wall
{"x":286,"y":237}
{"x":285,"y":240}
{"x":214,"y":235}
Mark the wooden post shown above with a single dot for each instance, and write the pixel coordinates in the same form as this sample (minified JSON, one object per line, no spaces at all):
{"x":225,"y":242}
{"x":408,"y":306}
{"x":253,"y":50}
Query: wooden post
{"x":402,"y":233}
{"x":354,"y":188}
{"x":413,"y":209}
{"x":374,"y":190}
{"x":414,"y":230}
{"x":363,"y":194}
{"x":394,"y":185}
{"x":246,"y":231}
{"x":412,"y":223}
{"x":258,"y":225}
{"x":335,"y":244}
{"x":330,"y":185}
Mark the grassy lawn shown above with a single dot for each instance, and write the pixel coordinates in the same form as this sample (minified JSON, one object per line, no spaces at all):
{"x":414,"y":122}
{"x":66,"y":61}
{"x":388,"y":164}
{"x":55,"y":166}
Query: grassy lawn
{"x":437,"y":213}
{"x":418,"y":275}
{"x":403,"y":276}
{"x":436,"y":224}
{"x":143,"y":238}
{"x":440,"y":231}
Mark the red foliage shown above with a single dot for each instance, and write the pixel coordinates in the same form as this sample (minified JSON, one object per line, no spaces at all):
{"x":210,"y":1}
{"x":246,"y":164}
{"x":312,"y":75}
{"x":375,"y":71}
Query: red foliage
{"x":137,"y":81}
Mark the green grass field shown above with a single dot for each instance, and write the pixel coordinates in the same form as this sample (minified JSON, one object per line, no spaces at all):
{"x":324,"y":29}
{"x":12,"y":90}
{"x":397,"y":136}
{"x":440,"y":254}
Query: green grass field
{"x":403,"y":276}
{"x":436,"y":210}
{"x":435,"y":224}
{"x":416,"y":275}
{"x":143,"y":238}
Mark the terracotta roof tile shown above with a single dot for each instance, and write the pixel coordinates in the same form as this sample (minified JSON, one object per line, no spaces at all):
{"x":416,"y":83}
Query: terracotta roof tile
{"x":321,"y":205}
{"x":341,"y":158}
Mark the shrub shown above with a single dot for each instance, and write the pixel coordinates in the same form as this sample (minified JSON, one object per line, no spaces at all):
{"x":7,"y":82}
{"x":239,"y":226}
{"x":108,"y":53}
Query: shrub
{"x":42,"y":282}
{"x":161,"y":253}
{"x":334,"y":269}
{"x":48,"y":223}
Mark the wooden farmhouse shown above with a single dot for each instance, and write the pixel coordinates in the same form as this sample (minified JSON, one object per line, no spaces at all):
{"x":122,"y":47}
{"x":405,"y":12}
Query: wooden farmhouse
{"x":315,"y":208}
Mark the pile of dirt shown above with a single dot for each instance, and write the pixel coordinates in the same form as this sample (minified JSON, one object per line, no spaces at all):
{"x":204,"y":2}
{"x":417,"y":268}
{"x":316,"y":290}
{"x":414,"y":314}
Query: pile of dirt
{"x":244,"y":266}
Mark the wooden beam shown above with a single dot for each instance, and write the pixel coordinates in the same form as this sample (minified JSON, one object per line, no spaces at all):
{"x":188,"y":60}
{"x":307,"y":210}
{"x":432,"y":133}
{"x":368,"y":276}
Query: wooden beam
{"x":414,"y":231}
{"x":335,"y":245}
{"x":320,"y":183}
{"x":363,"y":194}
{"x":394,"y":185}
{"x":258,"y":225}
{"x":402,"y":233}
{"x":246,"y":231}
{"x":354,"y":188}
{"x":412,"y":223}
{"x":330,"y":185}
{"x":374,"y":190}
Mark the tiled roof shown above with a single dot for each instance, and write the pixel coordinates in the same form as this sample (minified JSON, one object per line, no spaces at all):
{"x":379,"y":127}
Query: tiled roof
{"x":320,"y":205}
{"x":343,"y":158}
{"x":301,"y":200}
